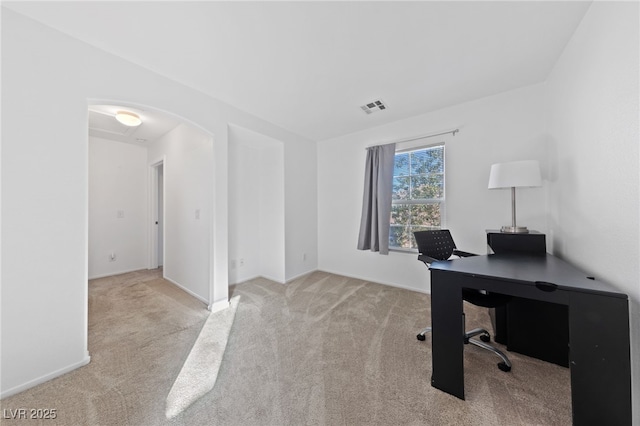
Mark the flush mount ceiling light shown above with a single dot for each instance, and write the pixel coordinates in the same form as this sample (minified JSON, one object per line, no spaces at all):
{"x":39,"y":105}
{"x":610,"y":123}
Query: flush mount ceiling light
{"x":128,"y":118}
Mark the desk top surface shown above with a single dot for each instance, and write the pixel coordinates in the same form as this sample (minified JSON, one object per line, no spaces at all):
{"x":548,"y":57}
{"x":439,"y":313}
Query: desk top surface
{"x":547,"y":269}
{"x":513,"y":234}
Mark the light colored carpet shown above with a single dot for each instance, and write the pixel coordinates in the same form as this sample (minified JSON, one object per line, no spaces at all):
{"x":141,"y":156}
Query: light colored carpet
{"x":200,"y":371}
{"x":321,"y":350}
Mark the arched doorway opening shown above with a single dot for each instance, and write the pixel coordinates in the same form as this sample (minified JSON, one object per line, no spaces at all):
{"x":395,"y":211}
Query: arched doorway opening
{"x":134,"y":223}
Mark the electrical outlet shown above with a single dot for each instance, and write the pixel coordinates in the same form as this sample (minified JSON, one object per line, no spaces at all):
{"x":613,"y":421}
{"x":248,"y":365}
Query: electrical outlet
{"x":241,"y":262}
{"x":112,"y":256}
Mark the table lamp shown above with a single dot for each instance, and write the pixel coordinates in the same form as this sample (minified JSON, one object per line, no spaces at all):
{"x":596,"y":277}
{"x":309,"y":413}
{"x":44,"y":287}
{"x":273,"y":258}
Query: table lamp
{"x":516,"y":174}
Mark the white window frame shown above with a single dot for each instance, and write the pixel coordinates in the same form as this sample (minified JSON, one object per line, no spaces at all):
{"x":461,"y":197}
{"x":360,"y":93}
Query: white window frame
{"x":419,"y":146}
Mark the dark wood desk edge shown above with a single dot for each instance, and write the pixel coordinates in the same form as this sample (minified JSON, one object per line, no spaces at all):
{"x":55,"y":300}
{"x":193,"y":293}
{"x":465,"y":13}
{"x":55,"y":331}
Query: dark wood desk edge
{"x":451,"y":266}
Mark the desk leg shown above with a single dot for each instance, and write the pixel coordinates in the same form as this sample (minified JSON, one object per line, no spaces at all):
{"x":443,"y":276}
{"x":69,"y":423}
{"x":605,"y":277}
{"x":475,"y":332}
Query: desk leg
{"x":447,"y":333}
{"x":599,"y":359}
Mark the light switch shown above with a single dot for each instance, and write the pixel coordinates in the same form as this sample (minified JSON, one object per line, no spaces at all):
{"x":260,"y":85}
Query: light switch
{"x":120,"y":214}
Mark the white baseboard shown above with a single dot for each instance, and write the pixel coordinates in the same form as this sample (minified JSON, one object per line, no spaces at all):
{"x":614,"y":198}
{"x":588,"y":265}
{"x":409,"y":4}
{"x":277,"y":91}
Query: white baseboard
{"x":275,"y":280}
{"x":113,"y":274}
{"x":197,"y":296}
{"x":31,"y":383}
{"x":248,"y":279}
{"x":266,"y":277}
{"x":390,"y":284}
{"x":270,"y":278}
{"x":295,"y":277}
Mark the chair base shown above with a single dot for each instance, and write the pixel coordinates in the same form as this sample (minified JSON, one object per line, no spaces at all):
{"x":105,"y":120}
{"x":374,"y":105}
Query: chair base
{"x":505,"y":365}
{"x":421,"y":335}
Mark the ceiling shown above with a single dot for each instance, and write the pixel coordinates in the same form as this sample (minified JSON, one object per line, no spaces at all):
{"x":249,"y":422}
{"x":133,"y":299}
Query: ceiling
{"x":310,"y":66}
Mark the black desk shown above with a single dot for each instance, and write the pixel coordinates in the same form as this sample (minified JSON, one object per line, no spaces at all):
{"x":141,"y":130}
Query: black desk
{"x":531,"y":327}
{"x":598,"y":327}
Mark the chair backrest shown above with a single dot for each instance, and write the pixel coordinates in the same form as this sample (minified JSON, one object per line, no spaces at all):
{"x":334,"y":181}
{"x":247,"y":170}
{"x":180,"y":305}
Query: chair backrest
{"x":437,"y":244}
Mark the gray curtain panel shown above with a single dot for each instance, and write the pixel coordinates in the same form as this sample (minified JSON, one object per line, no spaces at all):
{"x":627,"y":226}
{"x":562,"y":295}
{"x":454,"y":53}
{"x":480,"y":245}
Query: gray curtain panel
{"x":376,"y":202}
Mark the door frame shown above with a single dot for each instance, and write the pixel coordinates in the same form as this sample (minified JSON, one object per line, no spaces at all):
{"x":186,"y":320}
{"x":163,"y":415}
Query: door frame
{"x":154,"y":212}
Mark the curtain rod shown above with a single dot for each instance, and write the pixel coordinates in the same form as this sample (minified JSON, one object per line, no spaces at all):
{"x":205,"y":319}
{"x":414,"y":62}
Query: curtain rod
{"x":453,"y":132}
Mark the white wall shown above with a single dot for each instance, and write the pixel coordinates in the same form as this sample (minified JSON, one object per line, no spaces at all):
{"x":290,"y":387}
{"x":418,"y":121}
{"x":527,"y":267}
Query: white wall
{"x":594,"y":215}
{"x":49,"y":79}
{"x":256,"y":207}
{"x":244,"y":211}
{"x":272,"y":214}
{"x":301,"y":209}
{"x":117,"y":183}
{"x":186,"y":177}
{"x":505,"y":127}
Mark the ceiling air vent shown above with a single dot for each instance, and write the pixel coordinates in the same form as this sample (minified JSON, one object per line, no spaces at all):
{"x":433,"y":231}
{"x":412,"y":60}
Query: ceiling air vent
{"x":374,"y":106}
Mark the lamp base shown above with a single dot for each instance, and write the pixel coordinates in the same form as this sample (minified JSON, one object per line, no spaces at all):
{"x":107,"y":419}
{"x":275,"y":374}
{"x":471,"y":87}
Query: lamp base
{"x":514,"y":230}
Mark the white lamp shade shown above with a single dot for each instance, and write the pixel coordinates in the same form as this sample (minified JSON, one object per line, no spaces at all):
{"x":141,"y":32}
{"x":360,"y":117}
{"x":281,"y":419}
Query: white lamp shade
{"x":515,"y":174}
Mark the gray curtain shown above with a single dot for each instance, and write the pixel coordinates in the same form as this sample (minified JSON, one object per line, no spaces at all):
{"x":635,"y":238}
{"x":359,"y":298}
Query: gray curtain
{"x":376,"y":202}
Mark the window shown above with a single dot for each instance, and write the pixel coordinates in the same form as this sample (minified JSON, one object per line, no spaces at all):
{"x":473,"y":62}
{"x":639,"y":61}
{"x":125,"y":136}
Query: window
{"x":418,"y":194}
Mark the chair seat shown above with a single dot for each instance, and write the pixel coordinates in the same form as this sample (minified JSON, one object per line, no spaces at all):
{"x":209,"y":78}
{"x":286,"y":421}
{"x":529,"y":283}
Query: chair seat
{"x":438,"y":245}
{"x":490,"y":300}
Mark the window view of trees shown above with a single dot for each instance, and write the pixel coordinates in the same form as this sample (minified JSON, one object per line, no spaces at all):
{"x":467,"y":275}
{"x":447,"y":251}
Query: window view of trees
{"x":418,"y":194}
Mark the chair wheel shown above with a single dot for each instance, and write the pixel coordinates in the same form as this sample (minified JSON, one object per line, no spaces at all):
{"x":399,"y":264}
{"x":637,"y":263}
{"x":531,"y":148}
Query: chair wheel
{"x":504,"y":367}
{"x":420,"y":337}
{"x":485,"y":338}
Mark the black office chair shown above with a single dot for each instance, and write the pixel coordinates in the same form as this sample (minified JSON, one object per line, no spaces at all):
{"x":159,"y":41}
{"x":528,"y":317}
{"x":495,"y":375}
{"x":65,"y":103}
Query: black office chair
{"x":438,"y":245}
